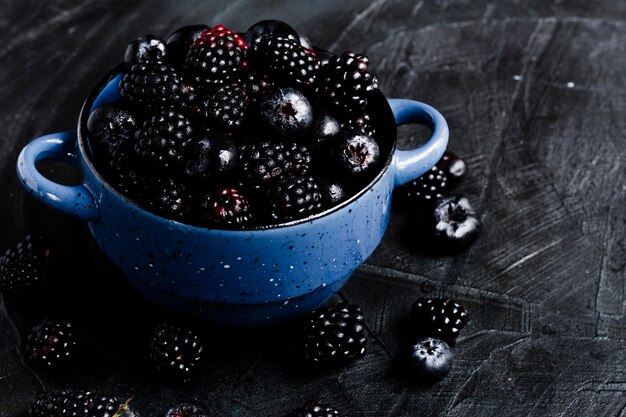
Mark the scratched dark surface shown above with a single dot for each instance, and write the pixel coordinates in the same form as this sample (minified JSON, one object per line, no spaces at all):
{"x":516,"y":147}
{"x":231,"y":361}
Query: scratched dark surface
{"x":535,"y":96}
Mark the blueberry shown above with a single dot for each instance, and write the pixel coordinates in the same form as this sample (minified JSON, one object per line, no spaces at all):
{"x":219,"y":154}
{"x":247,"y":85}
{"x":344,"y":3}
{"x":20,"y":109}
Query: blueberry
{"x":212,"y":157}
{"x":144,"y":47}
{"x":430,"y":358}
{"x":454,"y":223}
{"x":355,"y":152}
{"x":324,"y":128}
{"x":178,"y":42}
{"x":286,"y":112}
{"x":259,"y":33}
{"x":110,"y":125}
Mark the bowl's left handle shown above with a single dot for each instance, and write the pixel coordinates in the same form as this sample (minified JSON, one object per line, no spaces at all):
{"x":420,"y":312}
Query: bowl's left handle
{"x":76,"y":200}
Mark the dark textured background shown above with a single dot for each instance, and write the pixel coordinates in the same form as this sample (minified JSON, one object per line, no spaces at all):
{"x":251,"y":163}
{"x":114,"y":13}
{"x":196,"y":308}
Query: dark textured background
{"x":535,"y":96}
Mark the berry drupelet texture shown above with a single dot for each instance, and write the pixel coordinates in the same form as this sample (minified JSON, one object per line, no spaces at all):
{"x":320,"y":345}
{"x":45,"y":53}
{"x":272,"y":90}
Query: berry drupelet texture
{"x":150,"y":85}
{"x":77,"y":403}
{"x":175,"y":351}
{"x":226,"y":108}
{"x":25,"y":265}
{"x":50,"y":342}
{"x":267,"y":161}
{"x":297,"y":198}
{"x":439,"y":317}
{"x":427,"y":188}
{"x":335,"y":335}
{"x":290,"y":62}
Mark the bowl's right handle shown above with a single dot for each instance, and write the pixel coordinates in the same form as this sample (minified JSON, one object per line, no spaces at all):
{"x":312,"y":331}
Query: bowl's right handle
{"x":412,"y":163}
{"x":76,"y":200}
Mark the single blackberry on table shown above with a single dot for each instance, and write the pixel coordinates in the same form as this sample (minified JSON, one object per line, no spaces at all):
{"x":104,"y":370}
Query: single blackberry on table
{"x":162,"y":141}
{"x":150,"y":85}
{"x":453,"y":223}
{"x":226,"y":107}
{"x":174,"y":351}
{"x":77,"y":403}
{"x":285,"y":112}
{"x":147,"y":47}
{"x":259,"y":34}
{"x":289,"y":62}
{"x":266,"y":161}
{"x":296,"y":197}
{"x":430,"y":186}
{"x":354,"y":152}
{"x":314,"y":409}
{"x":25,"y":265}
{"x":439,"y":317}
{"x":335,"y":335}
{"x":210,"y":157}
{"x":218,"y":56}
{"x":186,"y":410}
{"x":345,"y":83}
{"x":179,"y":42}
{"x":226,"y":206}
{"x":429,"y":359}
{"x":50,"y":342}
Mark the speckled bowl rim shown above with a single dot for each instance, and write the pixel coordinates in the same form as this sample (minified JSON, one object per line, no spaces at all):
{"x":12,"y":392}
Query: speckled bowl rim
{"x":86,"y":153}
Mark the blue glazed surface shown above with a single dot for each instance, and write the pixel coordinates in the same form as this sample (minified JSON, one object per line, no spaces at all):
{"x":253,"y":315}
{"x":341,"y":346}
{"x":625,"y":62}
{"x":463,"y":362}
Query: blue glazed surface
{"x":235,"y":277}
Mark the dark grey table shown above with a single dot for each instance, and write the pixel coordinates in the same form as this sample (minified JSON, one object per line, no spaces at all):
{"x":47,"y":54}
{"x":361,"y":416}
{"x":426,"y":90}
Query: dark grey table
{"x":535,"y":96}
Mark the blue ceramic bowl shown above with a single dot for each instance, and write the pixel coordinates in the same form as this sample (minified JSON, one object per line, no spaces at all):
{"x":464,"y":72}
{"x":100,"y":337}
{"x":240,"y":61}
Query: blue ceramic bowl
{"x":246,"y":277}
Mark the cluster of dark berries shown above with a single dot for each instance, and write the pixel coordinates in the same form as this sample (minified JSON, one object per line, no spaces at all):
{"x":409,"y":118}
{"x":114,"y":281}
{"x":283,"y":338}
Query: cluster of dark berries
{"x":450,"y":221}
{"x":25,"y":265}
{"x":435,"y":325}
{"x":226,"y":130}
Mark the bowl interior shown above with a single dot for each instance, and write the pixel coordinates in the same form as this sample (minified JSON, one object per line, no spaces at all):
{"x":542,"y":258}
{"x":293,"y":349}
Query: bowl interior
{"x":107,"y":91}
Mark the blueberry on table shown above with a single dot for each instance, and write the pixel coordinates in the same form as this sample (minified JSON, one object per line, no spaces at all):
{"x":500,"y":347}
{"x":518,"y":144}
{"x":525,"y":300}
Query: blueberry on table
{"x":454,"y":223}
{"x":430,"y":358}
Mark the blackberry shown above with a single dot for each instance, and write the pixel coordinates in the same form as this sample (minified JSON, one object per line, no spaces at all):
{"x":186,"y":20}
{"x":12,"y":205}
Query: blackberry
{"x":430,"y":358}
{"x":227,"y":206}
{"x":186,"y":410}
{"x":314,"y":409}
{"x":174,"y":351}
{"x":213,"y":156}
{"x":454,"y":223}
{"x":290,"y":62}
{"x":167,"y":197}
{"x":226,"y":108}
{"x":334,"y":335}
{"x":50,"y":342}
{"x":147,"y":47}
{"x":217,"y":56}
{"x":265,"y":162}
{"x":427,"y":188}
{"x":439,"y":317}
{"x":163,"y":140}
{"x":296,"y":198}
{"x":150,"y":85}
{"x":25,"y":265}
{"x":345,"y":83}
{"x":77,"y":403}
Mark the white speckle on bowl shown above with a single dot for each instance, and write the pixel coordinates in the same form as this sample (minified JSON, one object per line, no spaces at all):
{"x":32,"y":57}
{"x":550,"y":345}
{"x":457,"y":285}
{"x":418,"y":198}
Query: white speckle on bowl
{"x":239,"y":258}
{"x":201,"y":268}
{"x":290,"y":266}
{"x":271,"y":279}
{"x":286,"y":302}
{"x":136,"y":268}
{"x":358,"y":241}
{"x":151,"y":265}
{"x":226,"y":266}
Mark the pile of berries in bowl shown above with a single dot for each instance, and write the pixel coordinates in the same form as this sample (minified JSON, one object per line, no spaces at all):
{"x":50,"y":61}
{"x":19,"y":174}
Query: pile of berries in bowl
{"x":227,"y":130}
